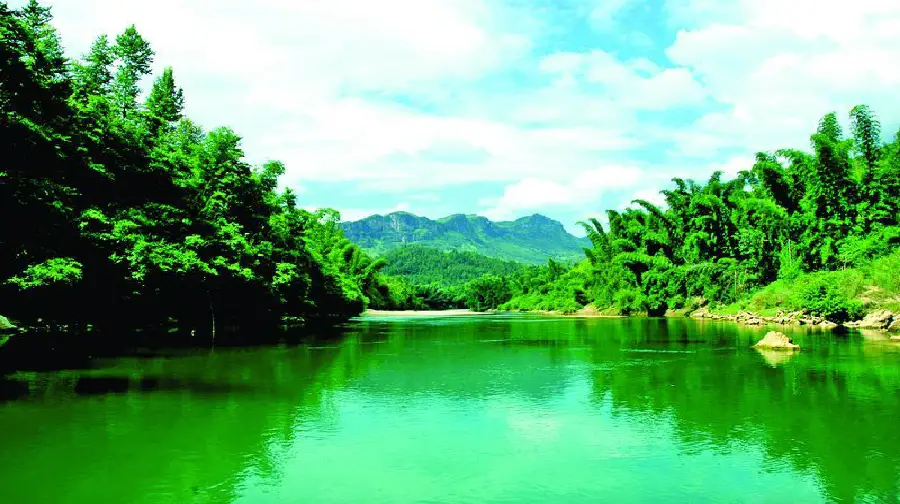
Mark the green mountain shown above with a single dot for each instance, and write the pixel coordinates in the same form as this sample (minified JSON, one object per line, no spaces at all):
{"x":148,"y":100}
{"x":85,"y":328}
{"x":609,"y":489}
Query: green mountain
{"x":532,"y":239}
{"x":429,"y":266}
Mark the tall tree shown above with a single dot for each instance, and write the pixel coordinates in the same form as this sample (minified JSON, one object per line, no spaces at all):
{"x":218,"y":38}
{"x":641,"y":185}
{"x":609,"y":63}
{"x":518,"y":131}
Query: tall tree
{"x":134,"y":59}
{"x":45,"y":51}
{"x":93,"y":77}
{"x":166,"y":100}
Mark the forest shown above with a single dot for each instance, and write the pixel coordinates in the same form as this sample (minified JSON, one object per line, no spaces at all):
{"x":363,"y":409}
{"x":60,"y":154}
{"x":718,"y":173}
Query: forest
{"x":120,"y":212}
{"x":816,"y":231}
{"x":424,"y":278}
{"x":127,"y":214}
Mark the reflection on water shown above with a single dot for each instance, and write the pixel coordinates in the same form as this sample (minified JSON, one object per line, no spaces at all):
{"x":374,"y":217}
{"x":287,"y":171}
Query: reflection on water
{"x":494,"y":409}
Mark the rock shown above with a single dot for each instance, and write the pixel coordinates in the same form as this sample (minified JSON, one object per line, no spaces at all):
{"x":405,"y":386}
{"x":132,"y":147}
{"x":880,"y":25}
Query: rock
{"x":753,"y":322}
{"x":895,"y":338}
{"x":895,"y":325}
{"x":880,"y":319}
{"x":776,"y":341}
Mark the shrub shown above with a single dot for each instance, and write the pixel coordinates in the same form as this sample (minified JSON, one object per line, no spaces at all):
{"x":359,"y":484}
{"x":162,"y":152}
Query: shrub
{"x":830,"y":295}
{"x":886,"y":272}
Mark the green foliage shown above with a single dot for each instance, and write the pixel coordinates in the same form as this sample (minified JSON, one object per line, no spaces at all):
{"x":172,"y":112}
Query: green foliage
{"x":723,"y":241}
{"x":886,"y":274}
{"x":824,"y":298}
{"x":128,"y":214}
{"x":487,"y":293}
{"x":423,"y":278}
{"x":59,"y":270}
{"x":120,"y":211}
{"x":428,"y":266}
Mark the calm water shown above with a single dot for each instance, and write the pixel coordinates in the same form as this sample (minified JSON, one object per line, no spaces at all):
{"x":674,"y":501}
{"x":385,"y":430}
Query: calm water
{"x":502,"y":409}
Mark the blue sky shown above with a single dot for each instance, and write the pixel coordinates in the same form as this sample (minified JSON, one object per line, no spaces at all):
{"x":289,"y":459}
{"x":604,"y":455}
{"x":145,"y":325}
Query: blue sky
{"x":509,"y":107}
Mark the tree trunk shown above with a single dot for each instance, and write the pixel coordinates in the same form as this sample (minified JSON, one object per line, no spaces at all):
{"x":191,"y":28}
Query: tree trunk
{"x":212,"y":316}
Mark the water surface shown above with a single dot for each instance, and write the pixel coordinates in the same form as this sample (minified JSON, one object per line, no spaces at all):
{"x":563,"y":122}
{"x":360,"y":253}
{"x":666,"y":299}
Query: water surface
{"x":467,"y":410}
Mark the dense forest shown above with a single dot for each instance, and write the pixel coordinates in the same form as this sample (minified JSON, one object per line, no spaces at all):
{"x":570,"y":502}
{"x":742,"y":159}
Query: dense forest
{"x":816,"y":231}
{"x":812,"y":230}
{"x":127,"y":214}
{"x":118,"y":211}
{"x":424,"y":278}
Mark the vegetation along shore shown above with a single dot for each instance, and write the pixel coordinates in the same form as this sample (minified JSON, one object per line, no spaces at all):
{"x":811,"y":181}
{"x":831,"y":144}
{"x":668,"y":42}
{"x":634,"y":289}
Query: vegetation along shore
{"x":135,"y":217}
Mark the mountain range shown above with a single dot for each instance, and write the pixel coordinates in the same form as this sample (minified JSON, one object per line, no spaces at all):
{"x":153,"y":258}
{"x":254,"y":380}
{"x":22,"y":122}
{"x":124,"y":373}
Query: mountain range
{"x":532,"y":239}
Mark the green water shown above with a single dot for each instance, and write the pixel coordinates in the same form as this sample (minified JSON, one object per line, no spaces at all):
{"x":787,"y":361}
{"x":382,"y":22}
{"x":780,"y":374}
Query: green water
{"x":468,"y":410}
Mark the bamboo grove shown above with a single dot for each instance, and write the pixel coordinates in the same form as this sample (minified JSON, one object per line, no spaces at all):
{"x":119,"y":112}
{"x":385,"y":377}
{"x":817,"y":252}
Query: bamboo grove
{"x":793,"y":216}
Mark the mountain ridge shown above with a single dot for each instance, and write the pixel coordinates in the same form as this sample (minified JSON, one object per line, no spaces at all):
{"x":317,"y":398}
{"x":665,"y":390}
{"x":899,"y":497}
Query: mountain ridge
{"x":530,"y":239}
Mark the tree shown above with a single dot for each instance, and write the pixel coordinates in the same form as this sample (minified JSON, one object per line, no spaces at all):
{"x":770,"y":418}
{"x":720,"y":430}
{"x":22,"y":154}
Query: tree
{"x":790,"y":212}
{"x":487,"y":293}
{"x":165,"y":102}
{"x":866,"y":131}
{"x":93,"y":78}
{"x":133,"y":216}
{"x":134,"y":59}
{"x":45,"y":54}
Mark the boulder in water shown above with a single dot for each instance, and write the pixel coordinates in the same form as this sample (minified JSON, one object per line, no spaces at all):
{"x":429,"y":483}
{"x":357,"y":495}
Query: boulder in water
{"x":776,"y":341}
{"x":895,"y":325}
{"x":880,"y":319}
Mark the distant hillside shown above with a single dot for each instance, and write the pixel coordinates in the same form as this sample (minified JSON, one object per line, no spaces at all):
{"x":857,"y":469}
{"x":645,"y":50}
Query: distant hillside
{"x":428,"y":266}
{"x":532,"y":239}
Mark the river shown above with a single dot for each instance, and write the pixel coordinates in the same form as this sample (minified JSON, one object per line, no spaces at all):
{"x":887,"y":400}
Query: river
{"x":517,"y":409}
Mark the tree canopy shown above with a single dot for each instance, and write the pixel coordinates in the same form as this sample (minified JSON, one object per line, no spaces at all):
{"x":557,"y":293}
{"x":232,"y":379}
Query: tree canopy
{"x":120,"y":211}
{"x":788,"y":214}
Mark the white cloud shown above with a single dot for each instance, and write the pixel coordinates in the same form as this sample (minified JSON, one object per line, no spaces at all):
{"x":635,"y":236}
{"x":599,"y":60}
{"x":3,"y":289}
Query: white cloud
{"x":779,"y":66}
{"x":291,"y":76}
{"x":355,"y":214}
{"x":321,"y":85}
{"x":561,"y":62}
{"x":605,"y":13}
{"x":637,"y":84}
{"x":643,"y":66}
{"x":651,"y":195}
{"x":733,"y":165}
{"x":308,"y":82}
{"x":586,"y":187}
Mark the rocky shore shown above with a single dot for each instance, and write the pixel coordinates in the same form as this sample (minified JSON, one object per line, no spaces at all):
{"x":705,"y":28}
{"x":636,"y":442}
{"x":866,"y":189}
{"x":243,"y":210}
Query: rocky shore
{"x":883,"y":320}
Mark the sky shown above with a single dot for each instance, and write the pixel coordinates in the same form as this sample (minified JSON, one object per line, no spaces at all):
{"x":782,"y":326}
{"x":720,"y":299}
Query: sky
{"x":507,"y":108}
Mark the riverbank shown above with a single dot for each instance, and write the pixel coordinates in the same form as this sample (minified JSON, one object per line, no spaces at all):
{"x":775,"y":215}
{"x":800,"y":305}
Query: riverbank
{"x":586,"y":312}
{"x":422,"y":313}
{"x":876,"y":320}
